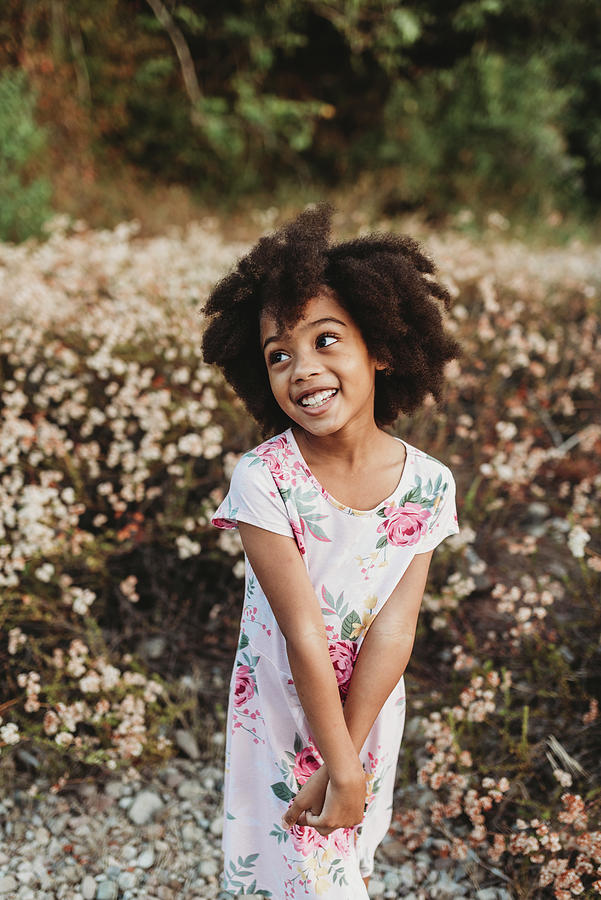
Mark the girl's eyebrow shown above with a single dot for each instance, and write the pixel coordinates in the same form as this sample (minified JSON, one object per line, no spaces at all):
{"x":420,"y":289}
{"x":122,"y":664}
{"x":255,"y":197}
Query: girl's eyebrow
{"x":276,"y":337}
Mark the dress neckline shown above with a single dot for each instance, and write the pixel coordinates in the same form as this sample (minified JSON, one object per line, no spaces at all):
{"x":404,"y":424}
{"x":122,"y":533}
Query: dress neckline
{"x":349,"y":510}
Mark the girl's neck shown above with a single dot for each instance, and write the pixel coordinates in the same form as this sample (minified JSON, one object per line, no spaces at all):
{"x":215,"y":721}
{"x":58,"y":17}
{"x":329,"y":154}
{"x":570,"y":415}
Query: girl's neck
{"x":348,"y":448}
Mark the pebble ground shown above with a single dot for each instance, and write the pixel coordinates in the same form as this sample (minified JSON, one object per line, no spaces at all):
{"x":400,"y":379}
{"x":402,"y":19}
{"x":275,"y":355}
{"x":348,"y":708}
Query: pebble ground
{"x":159,"y":838}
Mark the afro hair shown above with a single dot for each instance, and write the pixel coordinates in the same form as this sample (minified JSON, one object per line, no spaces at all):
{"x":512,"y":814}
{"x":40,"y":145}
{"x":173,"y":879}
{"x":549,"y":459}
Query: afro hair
{"x":384,"y":281}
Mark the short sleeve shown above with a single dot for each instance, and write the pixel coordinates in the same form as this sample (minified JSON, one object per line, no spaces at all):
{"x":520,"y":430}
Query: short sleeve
{"x":253,"y":497}
{"x":443,"y":522}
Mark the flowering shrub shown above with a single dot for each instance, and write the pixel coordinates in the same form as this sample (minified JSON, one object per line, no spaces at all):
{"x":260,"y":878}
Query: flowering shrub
{"x":117,"y":444}
{"x":113,"y":450}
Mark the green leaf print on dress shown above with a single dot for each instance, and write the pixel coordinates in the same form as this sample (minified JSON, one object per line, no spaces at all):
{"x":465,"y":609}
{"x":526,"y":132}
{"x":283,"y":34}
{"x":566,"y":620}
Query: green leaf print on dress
{"x":405,"y":524}
{"x":243,"y":869}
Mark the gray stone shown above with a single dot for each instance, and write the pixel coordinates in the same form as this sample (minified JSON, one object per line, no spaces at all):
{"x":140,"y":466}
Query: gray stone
{"x":376,"y":887}
{"x":127,"y":880}
{"x":189,"y":789}
{"x":216,"y":827}
{"x":57,"y":824}
{"x":406,"y":874}
{"x":486,"y":894}
{"x":39,"y":867}
{"x":392,"y":880}
{"x":116,"y":789}
{"x":208,"y":868}
{"x":129,"y":852}
{"x":186,"y":742}
{"x":107,"y":890}
{"x":88,"y":888}
{"x":144,"y":807}
{"x":445,"y":888}
{"x":7,"y":884}
{"x":146,"y":858}
{"x":71,"y":873}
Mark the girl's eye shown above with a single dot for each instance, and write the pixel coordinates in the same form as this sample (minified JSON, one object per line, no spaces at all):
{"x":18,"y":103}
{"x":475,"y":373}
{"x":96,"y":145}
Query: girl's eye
{"x":324,"y":340}
{"x":326,"y":337}
{"x":275,"y":357}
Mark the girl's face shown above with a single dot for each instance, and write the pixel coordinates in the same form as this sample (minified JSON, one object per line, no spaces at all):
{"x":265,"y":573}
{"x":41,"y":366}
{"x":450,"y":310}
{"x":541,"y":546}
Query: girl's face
{"x":320,"y":371}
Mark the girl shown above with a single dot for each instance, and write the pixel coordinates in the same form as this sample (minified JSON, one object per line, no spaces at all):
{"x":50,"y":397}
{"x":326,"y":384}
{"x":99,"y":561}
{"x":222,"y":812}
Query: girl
{"x":325,"y":344}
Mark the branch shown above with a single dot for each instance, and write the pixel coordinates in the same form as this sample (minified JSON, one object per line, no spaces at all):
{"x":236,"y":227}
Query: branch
{"x":185,"y":58}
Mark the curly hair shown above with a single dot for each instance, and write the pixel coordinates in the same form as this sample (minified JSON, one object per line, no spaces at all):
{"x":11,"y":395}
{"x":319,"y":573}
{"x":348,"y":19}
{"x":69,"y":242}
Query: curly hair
{"x":385,"y":283}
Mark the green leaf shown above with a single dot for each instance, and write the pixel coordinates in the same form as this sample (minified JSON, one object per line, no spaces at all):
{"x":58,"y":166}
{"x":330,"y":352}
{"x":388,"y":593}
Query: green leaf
{"x":382,"y":542}
{"x":348,"y":625}
{"x":282,"y":791}
{"x":298,"y":743}
{"x":243,"y":642}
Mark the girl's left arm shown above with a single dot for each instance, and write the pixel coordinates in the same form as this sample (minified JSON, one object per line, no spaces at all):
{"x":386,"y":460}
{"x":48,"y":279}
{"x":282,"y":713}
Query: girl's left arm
{"x":385,"y":651}
{"x":381,"y":661}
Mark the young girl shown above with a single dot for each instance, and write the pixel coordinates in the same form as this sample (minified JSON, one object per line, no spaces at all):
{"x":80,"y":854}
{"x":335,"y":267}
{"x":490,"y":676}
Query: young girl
{"x":325,"y":344}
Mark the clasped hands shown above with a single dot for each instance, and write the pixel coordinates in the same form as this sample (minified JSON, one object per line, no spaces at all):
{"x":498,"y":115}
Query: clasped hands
{"x":327,"y":803}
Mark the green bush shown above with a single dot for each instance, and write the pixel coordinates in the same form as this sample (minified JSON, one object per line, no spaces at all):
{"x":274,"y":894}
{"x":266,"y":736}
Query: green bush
{"x":25,"y":202}
{"x":485,"y":128}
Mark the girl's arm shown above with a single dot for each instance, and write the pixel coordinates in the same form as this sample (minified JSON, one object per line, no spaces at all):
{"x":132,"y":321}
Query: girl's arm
{"x":385,"y":650}
{"x":282,"y":574}
{"x":381,"y":661}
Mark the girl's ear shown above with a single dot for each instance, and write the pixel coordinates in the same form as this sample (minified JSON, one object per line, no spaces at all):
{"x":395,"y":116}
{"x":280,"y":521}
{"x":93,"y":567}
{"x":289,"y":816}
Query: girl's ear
{"x":383,"y":367}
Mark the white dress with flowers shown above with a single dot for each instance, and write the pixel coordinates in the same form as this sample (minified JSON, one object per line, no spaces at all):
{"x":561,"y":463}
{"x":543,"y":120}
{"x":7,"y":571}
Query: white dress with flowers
{"x":354,"y":558}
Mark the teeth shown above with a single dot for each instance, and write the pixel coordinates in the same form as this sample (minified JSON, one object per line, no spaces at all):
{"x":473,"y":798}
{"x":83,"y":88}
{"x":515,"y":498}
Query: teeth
{"x":318,"y":398}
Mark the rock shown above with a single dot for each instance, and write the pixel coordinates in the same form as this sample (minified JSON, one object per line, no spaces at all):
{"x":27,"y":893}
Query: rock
{"x":392,"y":880}
{"x":129,"y":852}
{"x":486,"y":894}
{"x":146,"y":858}
{"x":216,"y":826}
{"x":393,"y":851}
{"x":116,"y":789}
{"x":186,"y":742}
{"x":39,"y":867}
{"x":26,"y":876}
{"x":208,"y":868}
{"x":41,"y":836}
{"x":107,"y":890}
{"x":57,"y":824}
{"x":189,"y":789}
{"x":7,"y":885}
{"x":144,"y":807}
{"x":407,"y":875}
{"x":127,"y":880}
{"x":71,"y":873}
{"x":376,"y":887}
{"x":88,"y":888}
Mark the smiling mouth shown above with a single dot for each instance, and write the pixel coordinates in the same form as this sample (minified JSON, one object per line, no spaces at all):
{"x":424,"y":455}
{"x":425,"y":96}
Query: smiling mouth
{"x":313,"y":401}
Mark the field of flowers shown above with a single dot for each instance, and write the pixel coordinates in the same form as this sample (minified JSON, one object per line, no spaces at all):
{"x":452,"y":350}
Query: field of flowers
{"x":120,"y":602}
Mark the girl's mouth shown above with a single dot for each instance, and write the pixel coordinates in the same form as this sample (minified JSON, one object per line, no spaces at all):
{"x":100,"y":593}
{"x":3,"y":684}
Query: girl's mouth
{"x":318,"y":399}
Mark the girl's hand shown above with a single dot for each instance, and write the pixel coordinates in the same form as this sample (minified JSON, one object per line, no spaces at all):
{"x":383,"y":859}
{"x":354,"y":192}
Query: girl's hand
{"x":344,"y":803}
{"x":310,"y":797}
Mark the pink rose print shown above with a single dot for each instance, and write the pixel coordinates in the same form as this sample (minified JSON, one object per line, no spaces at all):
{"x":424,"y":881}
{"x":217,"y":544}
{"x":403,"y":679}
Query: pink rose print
{"x":343,"y":655}
{"x":404,"y":525}
{"x":268,"y":453}
{"x":307,"y":761}
{"x":245,"y":687}
{"x":341,"y":840}
{"x":306,"y":839}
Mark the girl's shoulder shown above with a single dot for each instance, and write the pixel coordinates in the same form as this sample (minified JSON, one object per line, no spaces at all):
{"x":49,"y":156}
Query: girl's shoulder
{"x":424,"y":459}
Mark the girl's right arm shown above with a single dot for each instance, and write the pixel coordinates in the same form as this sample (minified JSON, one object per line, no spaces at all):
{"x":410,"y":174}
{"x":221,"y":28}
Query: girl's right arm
{"x":282,"y":574}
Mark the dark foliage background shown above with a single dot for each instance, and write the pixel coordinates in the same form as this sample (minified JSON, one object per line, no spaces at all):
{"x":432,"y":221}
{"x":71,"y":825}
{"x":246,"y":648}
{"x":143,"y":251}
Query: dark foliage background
{"x":442,"y":104}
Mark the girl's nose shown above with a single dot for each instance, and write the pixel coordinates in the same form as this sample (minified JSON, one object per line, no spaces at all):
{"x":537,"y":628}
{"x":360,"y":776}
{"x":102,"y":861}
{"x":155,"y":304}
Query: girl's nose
{"x":306,"y":365}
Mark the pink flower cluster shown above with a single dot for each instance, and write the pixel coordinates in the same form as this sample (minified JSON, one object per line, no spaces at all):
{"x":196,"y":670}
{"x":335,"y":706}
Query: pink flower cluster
{"x":404,"y":525}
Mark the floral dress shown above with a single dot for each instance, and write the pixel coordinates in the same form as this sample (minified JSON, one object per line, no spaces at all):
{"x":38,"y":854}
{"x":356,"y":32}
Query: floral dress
{"x":354,"y":558}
